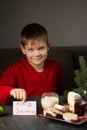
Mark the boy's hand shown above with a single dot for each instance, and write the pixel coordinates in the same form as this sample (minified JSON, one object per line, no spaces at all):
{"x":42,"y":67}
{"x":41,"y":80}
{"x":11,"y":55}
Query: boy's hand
{"x":19,"y":93}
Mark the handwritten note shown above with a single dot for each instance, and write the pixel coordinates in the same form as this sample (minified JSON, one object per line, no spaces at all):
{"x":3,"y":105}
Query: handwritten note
{"x":24,"y":108}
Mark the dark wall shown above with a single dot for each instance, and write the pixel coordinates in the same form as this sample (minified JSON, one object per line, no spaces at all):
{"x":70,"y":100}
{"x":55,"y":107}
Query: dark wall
{"x":66,"y":20}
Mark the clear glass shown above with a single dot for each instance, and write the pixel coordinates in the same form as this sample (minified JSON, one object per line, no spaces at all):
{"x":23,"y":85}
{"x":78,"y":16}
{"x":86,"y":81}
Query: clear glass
{"x":49,"y":99}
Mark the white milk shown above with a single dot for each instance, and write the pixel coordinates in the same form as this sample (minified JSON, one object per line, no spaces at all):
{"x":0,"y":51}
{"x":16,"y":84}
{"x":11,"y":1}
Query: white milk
{"x":49,"y":101}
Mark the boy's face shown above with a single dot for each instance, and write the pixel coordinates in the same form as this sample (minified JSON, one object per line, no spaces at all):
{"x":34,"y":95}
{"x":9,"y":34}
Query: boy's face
{"x":36,"y":52}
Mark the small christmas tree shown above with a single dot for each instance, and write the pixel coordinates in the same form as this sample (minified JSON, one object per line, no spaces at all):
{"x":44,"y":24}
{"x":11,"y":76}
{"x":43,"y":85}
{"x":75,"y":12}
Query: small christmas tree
{"x":80,"y":79}
{"x":81,"y":76}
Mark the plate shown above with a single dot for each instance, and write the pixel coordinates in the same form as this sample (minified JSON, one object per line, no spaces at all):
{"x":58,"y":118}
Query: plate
{"x":81,"y":119}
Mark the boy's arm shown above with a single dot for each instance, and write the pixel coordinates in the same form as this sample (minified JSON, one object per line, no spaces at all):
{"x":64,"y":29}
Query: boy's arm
{"x":5,"y":94}
{"x":7,"y":83}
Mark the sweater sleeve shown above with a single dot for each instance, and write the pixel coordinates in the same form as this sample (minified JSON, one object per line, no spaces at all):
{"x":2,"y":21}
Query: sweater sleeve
{"x":5,"y":94}
{"x":7,"y":83}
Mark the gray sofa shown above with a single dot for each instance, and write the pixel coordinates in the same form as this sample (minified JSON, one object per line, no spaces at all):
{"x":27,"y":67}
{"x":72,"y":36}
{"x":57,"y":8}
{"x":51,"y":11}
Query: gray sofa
{"x":66,"y":56}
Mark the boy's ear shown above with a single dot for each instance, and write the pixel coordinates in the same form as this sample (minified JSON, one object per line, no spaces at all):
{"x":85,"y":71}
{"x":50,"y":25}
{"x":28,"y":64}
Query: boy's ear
{"x":48,"y":45}
{"x":22,"y":49}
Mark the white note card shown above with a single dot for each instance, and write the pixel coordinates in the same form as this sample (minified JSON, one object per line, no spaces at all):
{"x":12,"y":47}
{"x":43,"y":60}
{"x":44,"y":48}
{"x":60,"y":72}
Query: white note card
{"x":24,"y":108}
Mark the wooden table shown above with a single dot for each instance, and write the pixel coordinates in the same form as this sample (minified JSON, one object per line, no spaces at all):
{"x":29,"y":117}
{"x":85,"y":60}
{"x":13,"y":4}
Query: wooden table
{"x":16,"y":122}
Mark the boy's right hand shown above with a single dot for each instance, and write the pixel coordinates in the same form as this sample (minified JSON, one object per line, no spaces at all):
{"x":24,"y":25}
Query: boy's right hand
{"x":19,"y":93}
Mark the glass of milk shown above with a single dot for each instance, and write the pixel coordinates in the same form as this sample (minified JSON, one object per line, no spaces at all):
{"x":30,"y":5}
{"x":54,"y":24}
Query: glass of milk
{"x":49,"y":99}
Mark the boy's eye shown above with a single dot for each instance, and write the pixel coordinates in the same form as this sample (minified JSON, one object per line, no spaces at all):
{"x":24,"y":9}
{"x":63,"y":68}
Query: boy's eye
{"x":30,"y":49}
{"x":41,"y":48}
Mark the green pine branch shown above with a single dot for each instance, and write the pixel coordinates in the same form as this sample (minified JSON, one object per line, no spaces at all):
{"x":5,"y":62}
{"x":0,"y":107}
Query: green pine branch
{"x":80,"y":78}
{"x":81,"y":74}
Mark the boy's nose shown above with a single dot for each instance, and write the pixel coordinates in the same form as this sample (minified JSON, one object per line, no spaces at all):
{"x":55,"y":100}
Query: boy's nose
{"x":37,"y":53}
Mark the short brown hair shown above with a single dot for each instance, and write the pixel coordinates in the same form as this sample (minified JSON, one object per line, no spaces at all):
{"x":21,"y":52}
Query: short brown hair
{"x":33,"y":31}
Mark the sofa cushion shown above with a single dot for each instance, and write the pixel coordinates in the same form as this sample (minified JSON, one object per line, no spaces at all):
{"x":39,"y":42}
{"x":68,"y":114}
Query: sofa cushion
{"x":65,"y":59}
{"x":76,"y":53}
{"x":8,"y":57}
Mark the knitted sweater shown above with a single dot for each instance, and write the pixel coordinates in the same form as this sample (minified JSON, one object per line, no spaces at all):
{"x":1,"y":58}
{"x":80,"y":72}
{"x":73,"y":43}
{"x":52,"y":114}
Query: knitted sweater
{"x":22,"y":75}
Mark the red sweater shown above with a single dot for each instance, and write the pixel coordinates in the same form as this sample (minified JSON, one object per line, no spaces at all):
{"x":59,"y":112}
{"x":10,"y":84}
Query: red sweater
{"x":23,"y":75}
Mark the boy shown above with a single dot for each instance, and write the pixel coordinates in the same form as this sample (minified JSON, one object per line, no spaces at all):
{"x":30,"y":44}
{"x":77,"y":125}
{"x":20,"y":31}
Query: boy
{"x":35,"y":74}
